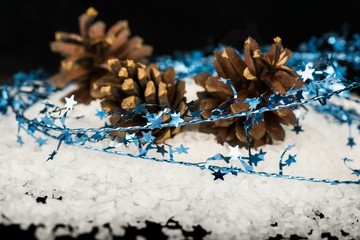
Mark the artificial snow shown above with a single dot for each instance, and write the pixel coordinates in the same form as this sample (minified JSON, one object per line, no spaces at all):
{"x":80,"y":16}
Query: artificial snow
{"x":85,"y":188}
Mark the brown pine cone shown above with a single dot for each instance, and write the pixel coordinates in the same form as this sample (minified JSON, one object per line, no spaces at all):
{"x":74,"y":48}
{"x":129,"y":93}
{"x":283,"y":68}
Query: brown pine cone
{"x":131,"y":84}
{"x":258,"y":75}
{"x":86,"y":53}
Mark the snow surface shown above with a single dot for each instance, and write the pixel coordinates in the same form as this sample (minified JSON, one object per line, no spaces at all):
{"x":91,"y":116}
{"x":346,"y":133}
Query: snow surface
{"x":98,"y":188}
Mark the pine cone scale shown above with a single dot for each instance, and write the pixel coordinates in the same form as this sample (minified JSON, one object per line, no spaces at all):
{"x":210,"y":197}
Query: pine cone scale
{"x":150,"y":93}
{"x":273,"y":127}
{"x":227,"y":69}
{"x":180,"y":93}
{"x":258,"y":130}
{"x":236,"y":62}
{"x":201,"y":78}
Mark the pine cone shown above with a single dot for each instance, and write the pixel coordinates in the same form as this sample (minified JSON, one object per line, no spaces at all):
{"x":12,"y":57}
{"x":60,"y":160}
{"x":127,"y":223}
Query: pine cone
{"x":86,"y":53}
{"x":131,"y":84}
{"x":258,"y":75}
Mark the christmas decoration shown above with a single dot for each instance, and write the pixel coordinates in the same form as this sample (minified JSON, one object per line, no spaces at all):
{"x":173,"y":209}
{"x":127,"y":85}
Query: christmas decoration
{"x":255,"y":79}
{"x":85,"y":54}
{"x":131,"y":84}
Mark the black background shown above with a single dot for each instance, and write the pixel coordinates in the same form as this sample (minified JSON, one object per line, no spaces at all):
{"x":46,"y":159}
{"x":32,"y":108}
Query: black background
{"x":27,"y":26}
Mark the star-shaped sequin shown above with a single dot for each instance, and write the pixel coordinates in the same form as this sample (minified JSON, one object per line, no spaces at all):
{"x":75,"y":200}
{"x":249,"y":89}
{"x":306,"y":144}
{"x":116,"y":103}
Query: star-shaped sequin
{"x":196,"y":114}
{"x":234,"y":152}
{"x":70,"y":102}
{"x":176,"y":119}
{"x":40,"y":141}
{"x":307,"y":73}
{"x":255,"y":158}
{"x":147,"y":137}
{"x":291,"y":159}
{"x":218,"y":175}
{"x":47,"y":120}
{"x":297,"y":129}
{"x":351,"y":142}
{"x":161,"y":149}
{"x":182,"y":149}
{"x":101,"y":114}
{"x":153,"y":120}
{"x":253,"y":102}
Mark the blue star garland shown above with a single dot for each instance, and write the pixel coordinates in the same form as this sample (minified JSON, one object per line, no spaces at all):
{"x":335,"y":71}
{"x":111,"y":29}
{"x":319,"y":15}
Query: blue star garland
{"x":51,"y":123}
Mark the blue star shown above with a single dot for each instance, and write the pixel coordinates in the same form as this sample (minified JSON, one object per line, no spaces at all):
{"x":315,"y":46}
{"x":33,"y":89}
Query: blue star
{"x":311,"y":86}
{"x":70,"y":102}
{"x":48,"y":120}
{"x":253,"y":102}
{"x":52,"y":155}
{"x":19,"y":140}
{"x":147,"y":137}
{"x":261,"y":154}
{"x":218,"y":175}
{"x":161,"y":149}
{"x":351,"y":142}
{"x":196,"y":114}
{"x":176,"y":119}
{"x":356,"y":172}
{"x":255,"y":158}
{"x":297,"y":128}
{"x":41,"y":141}
{"x":257,"y":118}
{"x":101,"y":114}
{"x":182,"y":149}
{"x":291,"y":160}
{"x":154,"y":121}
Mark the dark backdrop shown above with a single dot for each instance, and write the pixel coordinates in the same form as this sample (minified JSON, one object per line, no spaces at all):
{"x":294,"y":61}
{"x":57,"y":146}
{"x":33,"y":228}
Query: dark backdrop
{"x":27,"y":26}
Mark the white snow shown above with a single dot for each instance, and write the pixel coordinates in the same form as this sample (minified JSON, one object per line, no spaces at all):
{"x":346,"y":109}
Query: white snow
{"x":97,"y":188}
